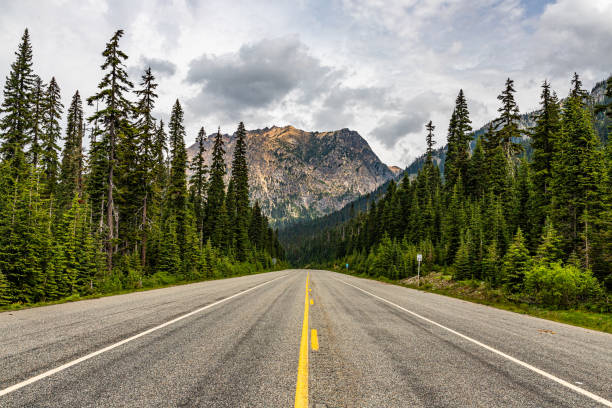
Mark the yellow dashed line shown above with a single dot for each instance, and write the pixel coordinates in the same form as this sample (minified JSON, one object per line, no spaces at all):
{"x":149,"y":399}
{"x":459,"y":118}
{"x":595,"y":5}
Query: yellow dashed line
{"x":301,"y":387}
{"x":314,"y":340}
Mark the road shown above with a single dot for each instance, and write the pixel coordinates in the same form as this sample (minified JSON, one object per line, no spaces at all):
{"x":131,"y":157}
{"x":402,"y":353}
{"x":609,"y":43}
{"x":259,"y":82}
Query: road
{"x":250,"y":342}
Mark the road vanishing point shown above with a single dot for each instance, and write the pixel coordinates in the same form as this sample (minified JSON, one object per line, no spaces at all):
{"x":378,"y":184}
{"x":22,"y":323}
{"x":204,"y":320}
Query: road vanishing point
{"x":296,"y":338}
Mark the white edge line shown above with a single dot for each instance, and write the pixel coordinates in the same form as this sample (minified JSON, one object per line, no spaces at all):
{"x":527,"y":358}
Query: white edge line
{"x":501,"y":353}
{"x":122,"y":342}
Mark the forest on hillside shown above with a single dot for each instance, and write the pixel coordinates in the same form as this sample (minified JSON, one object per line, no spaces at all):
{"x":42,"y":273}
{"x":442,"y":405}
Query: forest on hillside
{"x":125,"y":214}
{"x":536,"y":226}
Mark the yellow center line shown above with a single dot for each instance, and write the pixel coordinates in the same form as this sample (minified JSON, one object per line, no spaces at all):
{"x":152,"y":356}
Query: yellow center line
{"x":301,"y":388}
{"x":314,"y":339}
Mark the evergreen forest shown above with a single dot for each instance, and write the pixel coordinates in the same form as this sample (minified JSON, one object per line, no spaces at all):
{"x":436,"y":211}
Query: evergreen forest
{"x":110,"y":201}
{"x":534,"y":224}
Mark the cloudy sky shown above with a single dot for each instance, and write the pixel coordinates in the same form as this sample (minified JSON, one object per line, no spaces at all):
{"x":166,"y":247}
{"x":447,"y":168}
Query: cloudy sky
{"x":381,"y":67}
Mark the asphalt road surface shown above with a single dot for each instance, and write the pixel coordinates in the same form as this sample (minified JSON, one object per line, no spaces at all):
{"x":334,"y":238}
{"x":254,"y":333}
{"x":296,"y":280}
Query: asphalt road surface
{"x":296,"y":338}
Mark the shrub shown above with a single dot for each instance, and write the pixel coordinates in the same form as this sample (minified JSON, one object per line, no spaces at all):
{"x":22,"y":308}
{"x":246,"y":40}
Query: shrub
{"x":561,"y":286}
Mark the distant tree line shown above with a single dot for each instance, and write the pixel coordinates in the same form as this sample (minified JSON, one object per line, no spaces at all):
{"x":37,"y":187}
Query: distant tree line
{"x":126,"y":214}
{"x":538,"y":227}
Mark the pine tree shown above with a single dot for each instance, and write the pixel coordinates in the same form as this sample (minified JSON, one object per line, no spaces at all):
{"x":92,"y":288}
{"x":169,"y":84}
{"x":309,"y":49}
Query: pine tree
{"x":384,"y":259}
{"x":177,"y":190}
{"x":240,"y":180}
{"x":169,"y":251}
{"x":453,"y":223}
{"x":543,"y":141}
{"x":16,"y":122}
{"x":38,"y":108}
{"x":24,"y":233}
{"x":577,"y":91}
{"x":88,"y":254}
{"x":145,"y":128}
{"x":577,"y":198}
{"x":496,"y":163}
{"x":53,"y":108}
{"x":197,"y":187}
{"x":220,"y":236}
{"x":515,"y":263}
{"x":71,"y":168}
{"x":508,"y":122}
{"x":216,"y":189}
{"x":430,"y":141}
{"x":257,"y":227}
{"x":462,"y":264}
{"x":130,"y":185}
{"x":230,"y":218}
{"x":459,"y":139}
{"x":520,"y":208}
{"x":463,"y":136}
{"x":491,"y":264}
{"x":113,"y":117}
{"x":160,"y":150}
{"x":602,"y":226}
{"x":450,"y":170}
{"x":549,"y":250}
{"x":477,"y":182}
{"x":65,"y":251}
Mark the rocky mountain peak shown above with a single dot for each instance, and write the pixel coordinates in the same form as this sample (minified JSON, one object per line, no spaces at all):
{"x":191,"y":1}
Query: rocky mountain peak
{"x":299,"y":174}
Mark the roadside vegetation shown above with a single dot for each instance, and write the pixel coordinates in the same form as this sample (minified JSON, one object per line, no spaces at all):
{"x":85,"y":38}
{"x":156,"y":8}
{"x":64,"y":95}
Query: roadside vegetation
{"x":158,"y":280}
{"x":590,"y":315}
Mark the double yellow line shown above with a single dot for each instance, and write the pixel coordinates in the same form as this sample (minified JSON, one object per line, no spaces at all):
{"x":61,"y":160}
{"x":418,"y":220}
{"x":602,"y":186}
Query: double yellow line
{"x":301,"y":388}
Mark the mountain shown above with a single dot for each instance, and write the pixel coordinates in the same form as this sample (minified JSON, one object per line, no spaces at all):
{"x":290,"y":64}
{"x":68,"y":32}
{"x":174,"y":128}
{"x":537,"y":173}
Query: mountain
{"x":395,"y":170}
{"x":295,"y":174}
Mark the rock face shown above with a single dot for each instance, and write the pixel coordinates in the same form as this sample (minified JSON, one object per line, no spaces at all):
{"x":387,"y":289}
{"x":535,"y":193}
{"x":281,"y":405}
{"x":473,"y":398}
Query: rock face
{"x":395,"y":170}
{"x":297,"y":174}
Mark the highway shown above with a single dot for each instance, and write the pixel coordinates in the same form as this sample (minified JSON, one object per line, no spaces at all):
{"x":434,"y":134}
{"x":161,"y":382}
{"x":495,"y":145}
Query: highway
{"x":296,"y":338}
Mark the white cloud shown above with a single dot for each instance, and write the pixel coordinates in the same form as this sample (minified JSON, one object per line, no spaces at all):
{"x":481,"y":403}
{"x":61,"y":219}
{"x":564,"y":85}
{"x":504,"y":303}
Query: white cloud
{"x":381,"y":67}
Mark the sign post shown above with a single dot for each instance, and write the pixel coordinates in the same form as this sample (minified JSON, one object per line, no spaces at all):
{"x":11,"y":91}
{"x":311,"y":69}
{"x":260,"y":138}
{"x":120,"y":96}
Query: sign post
{"x":419,"y":259}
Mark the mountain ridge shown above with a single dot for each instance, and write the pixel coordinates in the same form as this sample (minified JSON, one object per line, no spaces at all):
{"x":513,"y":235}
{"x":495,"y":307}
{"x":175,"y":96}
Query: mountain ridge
{"x":296,"y":174}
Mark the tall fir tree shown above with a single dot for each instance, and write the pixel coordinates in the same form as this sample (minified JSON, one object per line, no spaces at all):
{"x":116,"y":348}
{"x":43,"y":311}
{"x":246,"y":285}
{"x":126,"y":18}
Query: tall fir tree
{"x":240,"y":181}
{"x":146,"y":138}
{"x":16,"y":120}
{"x":577,"y":198}
{"x":463,"y":134}
{"x":71,"y":167}
{"x":51,"y":134}
{"x":516,"y":262}
{"x":508,"y":121}
{"x":577,"y":91}
{"x":476,"y":179}
{"x":177,"y":188}
{"x":38,"y":109}
{"x":160,"y":150}
{"x":460,"y":137}
{"x":450,"y":176}
{"x":112,"y":118}
{"x":216,"y":191}
{"x":198,"y":183}
{"x":544,"y":141}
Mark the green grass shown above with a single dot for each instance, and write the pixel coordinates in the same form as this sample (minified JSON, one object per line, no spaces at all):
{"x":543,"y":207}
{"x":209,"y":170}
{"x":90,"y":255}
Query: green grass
{"x":76,"y":297}
{"x":575,"y":317}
